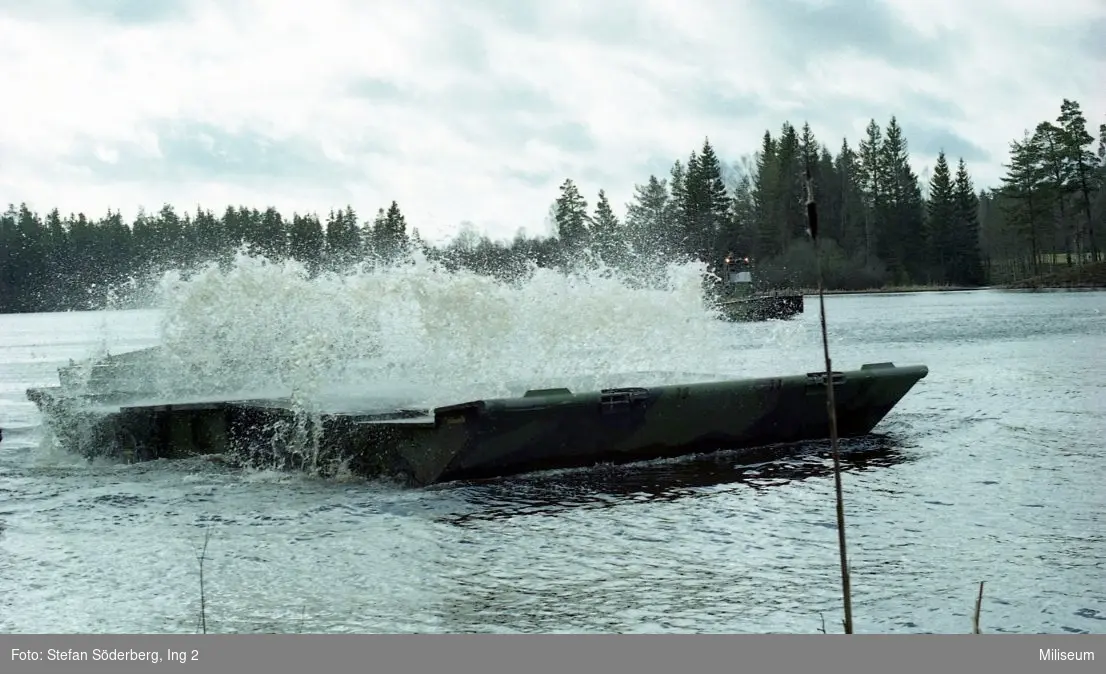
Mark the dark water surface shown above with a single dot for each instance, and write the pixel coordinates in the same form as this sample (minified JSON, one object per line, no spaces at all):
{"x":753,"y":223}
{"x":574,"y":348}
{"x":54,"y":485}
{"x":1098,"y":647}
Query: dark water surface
{"x":991,"y":469}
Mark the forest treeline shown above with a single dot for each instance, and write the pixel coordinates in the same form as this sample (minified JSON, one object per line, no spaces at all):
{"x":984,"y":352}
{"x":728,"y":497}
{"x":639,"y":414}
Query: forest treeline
{"x":881,"y":223}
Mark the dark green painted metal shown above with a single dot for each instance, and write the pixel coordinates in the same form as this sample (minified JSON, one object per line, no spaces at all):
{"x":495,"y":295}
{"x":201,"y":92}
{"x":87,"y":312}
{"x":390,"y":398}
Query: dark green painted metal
{"x":762,"y":307}
{"x":545,"y":428}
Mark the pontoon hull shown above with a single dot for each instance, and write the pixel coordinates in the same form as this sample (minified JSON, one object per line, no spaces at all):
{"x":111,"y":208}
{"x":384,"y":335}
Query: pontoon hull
{"x":483,"y":438}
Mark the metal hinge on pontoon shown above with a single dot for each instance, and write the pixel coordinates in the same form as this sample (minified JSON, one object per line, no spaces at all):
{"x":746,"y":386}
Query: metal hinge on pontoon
{"x":819,"y":378}
{"x":620,"y":399}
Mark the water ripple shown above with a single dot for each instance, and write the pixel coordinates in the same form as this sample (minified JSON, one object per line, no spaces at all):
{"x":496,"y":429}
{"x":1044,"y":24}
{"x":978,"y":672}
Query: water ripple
{"x":989,"y":470}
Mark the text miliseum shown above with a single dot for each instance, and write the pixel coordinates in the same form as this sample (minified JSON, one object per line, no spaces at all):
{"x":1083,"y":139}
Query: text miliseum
{"x":1057,"y":655}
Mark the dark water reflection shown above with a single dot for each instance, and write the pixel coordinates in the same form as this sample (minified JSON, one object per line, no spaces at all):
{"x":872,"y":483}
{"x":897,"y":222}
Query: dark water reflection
{"x":552,"y":492}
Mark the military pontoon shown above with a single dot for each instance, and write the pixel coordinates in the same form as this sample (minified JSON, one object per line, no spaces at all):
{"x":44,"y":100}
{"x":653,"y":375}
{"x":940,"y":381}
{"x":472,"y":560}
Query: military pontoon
{"x":105,"y":407}
{"x":738,"y":301}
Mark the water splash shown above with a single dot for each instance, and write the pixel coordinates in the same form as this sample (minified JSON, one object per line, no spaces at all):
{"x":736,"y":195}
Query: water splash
{"x":417,"y":330}
{"x":417,"y":335}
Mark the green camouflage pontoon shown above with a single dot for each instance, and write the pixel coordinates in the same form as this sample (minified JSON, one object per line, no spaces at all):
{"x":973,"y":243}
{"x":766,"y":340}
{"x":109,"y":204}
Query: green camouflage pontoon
{"x":104,"y":409}
{"x":737,"y":301}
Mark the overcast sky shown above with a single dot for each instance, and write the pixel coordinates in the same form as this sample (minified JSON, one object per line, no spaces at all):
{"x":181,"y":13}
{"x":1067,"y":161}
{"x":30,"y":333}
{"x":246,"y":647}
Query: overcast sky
{"x":478,"y":109}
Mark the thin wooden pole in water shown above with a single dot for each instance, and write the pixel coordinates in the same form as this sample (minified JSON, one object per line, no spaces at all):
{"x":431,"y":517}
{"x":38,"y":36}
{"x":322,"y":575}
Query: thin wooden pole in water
{"x":201,"y":557}
{"x":831,"y":408}
{"x":978,"y":609}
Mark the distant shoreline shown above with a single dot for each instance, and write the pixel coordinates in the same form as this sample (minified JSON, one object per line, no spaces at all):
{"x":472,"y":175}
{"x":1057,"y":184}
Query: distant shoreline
{"x":1089,"y":277}
{"x":1086,"y":277}
{"x":886,"y":290}
{"x":906,"y":290}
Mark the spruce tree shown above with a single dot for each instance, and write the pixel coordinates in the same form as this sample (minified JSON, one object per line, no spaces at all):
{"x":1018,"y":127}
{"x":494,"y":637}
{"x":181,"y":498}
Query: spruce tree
{"x":850,"y":177}
{"x":606,"y":232}
{"x":343,"y":239}
{"x":965,"y":239}
{"x":940,"y":219}
{"x":306,"y":240}
{"x":705,"y":204}
{"x":672,"y":239}
{"x":789,"y":208}
{"x":647,"y":217}
{"x":570,"y":215}
{"x":765,"y":198}
{"x":892,"y":229}
{"x":397,"y":243}
{"x":740,"y":236}
{"x":871,"y":185}
{"x":1021,"y":189}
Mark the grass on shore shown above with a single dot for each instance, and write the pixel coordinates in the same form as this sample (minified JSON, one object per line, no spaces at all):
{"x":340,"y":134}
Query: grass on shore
{"x":921,"y":288}
{"x":1086,"y":276}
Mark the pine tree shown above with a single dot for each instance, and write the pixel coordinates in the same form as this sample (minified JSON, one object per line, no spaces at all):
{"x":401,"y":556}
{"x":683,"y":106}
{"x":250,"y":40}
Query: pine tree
{"x":306,"y":241}
{"x":1055,"y":185}
{"x":791,"y":185}
{"x":685,"y":236}
{"x":830,"y":196}
{"x":397,"y":232}
{"x":172,"y":231}
{"x":1080,"y":163}
{"x":1021,"y":187}
{"x":117,"y":247}
{"x":853,"y":208}
{"x":647,"y":218}
{"x":59,"y":263}
{"x":893,"y":226}
{"x":871,"y":186}
{"x":343,"y":239}
{"x":739,"y":238}
{"x":705,"y":204}
{"x":965,"y":239}
{"x":808,"y":149}
{"x":208,"y":235}
{"x":606,"y":232}
{"x":671,"y":242}
{"x":1102,"y":146}
{"x":765,"y":197}
{"x":571,"y":217}
{"x":941,"y":216}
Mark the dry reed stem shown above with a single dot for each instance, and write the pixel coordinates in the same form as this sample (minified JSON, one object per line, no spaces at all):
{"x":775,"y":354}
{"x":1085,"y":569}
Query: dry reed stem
{"x":978,"y":609}
{"x":201,"y":557}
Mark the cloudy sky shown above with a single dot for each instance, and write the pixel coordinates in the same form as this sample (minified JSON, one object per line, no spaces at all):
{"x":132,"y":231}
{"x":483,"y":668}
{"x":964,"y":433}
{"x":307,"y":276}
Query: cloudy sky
{"x":477,"y":109}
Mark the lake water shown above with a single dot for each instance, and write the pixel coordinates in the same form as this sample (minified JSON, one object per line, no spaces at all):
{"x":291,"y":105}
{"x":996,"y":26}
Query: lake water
{"x":991,"y":469}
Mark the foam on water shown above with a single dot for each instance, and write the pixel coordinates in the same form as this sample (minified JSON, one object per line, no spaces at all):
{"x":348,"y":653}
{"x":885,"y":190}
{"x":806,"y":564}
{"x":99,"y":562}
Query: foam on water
{"x":422,"y":333}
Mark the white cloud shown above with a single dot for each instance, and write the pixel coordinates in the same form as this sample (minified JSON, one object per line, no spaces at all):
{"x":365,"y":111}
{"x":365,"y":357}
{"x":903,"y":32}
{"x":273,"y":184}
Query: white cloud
{"x":478,"y":110}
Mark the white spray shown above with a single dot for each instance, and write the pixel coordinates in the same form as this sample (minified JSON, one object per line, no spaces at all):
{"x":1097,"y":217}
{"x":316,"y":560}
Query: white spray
{"x":418,"y":335}
{"x":422,"y":331}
